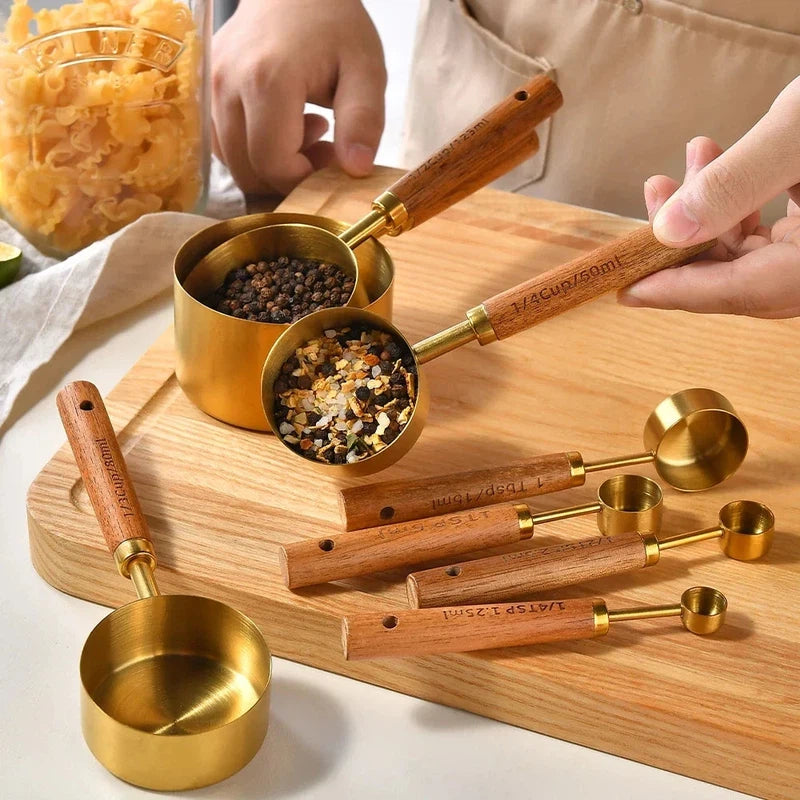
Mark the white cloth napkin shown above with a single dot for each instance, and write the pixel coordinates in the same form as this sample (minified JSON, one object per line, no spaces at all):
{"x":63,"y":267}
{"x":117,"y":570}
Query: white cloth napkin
{"x":40,"y":310}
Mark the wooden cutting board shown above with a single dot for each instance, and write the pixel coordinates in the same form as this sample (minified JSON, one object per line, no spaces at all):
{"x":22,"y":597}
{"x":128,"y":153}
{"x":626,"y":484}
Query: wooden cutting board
{"x":724,"y":709}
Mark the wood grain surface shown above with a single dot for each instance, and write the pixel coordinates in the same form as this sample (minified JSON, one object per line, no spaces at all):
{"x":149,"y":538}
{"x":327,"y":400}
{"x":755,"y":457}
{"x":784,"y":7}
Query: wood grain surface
{"x":100,"y":461}
{"x":525,"y":572}
{"x":493,"y":144}
{"x":433,"y":495}
{"x":427,"y":631}
{"x":399,"y":544}
{"x":612,"y":266}
{"x":220,"y":501}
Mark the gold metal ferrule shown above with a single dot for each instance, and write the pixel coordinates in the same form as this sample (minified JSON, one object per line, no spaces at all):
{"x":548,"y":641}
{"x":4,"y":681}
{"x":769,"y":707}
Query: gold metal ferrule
{"x":132,"y":549}
{"x":388,"y":215}
{"x":525,"y":520}
{"x":601,"y":621}
{"x":479,"y":320}
{"x":652,"y":551}
{"x":475,"y":326}
{"x":394,"y":211}
{"x":577,"y":469}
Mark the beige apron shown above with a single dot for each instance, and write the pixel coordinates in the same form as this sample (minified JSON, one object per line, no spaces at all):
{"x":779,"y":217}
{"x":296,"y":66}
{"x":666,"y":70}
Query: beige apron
{"x":640,"y":78}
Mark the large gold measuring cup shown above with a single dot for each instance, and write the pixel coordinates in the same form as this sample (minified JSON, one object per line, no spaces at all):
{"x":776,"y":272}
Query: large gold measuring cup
{"x":220,"y":358}
{"x":694,"y":438}
{"x":609,"y":267}
{"x":174,"y":689}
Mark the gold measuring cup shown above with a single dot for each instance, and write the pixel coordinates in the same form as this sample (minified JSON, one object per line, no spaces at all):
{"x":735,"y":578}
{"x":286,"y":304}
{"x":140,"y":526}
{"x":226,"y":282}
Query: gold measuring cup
{"x":427,"y":631}
{"x":745,"y":531}
{"x":174,"y":689}
{"x":694,"y":438}
{"x":609,"y":267}
{"x":499,"y":140}
{"x":220,"y":357}
{"x":624,"y":503}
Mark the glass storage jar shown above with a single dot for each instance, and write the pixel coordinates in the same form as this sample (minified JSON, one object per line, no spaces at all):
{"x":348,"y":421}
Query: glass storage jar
{"x":104,"y":115}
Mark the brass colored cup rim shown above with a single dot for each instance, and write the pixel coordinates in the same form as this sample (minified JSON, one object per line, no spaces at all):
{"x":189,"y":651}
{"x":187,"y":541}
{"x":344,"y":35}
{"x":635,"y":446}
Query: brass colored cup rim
{"x":697,"y":438}
{"x":629,"y":503}
{"x":747,"y":529}
{"x":175,"y":691}
{"x":703,"y":609}
{"x":630,"y":494}
{"x":257,"y":244}
{"x":314,"y":325}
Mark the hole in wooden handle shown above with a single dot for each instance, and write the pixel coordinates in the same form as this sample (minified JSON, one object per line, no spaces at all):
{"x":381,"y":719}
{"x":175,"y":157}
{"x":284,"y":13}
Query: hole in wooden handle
{"x":453,"y":572}
{"x":327,"y":545}
{"x":387,"y":512}
{"x":86,"y":405}
{"x":521,"y":95}
{"x":390,"y":622}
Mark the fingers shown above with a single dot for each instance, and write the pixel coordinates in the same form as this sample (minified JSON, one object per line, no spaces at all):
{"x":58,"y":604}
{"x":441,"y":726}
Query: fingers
{"x":358,"y":107}
{"x":657,"y":190}
{"x":762,"y":283}
{"x":231,"y":143}
{"x":315,"y":126}
{"x":761,"y":165}
{"x":274,"y":117}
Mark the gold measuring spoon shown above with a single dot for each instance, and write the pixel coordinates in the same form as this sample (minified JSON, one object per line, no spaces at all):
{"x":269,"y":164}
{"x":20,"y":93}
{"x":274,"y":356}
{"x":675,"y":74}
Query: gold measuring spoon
{"x":694,"y":438}
{"x":427,"y":631}
{"x":493,"y":144}
{"x":174,"y":689}
{"x":624,"y":503}
{"x":609,"y":267}
{"x":745,"y":531}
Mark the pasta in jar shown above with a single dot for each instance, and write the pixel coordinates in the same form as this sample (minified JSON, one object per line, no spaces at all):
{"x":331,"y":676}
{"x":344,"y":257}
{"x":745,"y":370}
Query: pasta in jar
{"x":102,"y":117}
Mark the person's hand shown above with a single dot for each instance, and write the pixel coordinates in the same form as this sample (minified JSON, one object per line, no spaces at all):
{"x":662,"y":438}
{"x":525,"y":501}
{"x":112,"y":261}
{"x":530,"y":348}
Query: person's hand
{"x":270,"y":58}
{"x":753,"y":270}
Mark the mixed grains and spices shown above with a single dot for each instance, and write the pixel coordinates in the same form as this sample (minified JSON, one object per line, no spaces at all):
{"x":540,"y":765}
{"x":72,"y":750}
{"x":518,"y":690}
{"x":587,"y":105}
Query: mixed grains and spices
{"x":345,"y":395}
{"x":282,"y":290}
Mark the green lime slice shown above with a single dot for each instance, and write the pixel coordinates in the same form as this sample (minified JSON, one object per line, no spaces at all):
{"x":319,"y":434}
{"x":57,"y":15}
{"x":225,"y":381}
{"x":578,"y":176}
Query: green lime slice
{"x":10,"y":260}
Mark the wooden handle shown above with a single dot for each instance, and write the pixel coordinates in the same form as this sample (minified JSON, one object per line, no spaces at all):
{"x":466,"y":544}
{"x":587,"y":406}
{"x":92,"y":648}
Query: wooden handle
{"x":387,"y":546}
{"x":514,"y":575}
{"x":612,"y":266}
{"x":426,"y":631}
{"x":101,"y":464}
{"x":487,"y":149}
{"x":399,"y":501}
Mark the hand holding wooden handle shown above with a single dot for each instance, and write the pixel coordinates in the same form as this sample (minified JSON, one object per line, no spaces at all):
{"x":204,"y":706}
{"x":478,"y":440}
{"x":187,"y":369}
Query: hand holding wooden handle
{"x":538,"y":569}
{"x":388,"y":546}
{"x":612,"y":266}
{"x":101,"y":464}
{"x":495,"y":143}
{"x":427,"y":631}
{"x":399,"y":501}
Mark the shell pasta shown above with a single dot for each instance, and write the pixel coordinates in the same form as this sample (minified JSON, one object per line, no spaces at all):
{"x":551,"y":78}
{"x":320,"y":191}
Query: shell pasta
{"x":101,"y":117}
